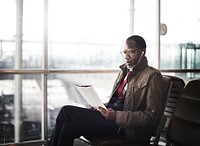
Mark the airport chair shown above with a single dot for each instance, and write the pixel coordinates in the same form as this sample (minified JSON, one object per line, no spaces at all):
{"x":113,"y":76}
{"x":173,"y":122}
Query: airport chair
{"x":116,"y":141}
{"x":171,"y":102}
{"x":184,"y":127}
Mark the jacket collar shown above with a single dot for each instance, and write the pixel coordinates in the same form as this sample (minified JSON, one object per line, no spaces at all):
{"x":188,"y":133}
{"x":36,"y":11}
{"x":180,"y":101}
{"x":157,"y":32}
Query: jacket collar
{"x":140,"y":66}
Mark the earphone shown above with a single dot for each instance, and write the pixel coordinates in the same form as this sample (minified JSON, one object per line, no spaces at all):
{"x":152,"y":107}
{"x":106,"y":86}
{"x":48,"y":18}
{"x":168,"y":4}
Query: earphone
{"x":140,"y":57}
{"x":142,"y":54}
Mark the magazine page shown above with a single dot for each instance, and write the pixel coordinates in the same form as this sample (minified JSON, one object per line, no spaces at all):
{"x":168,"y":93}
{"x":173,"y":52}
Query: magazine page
{"x":91,"y":96}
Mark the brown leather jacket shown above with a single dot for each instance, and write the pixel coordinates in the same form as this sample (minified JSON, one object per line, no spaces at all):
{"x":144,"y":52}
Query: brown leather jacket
{"x":143,"y":103}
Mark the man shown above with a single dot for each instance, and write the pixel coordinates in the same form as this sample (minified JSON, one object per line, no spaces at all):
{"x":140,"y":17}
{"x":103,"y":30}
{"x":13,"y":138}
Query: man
{"x":134,"y":108}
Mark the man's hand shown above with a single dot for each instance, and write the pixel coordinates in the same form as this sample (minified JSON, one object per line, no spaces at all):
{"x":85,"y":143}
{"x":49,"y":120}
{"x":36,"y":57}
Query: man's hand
{"x":108,"y":114}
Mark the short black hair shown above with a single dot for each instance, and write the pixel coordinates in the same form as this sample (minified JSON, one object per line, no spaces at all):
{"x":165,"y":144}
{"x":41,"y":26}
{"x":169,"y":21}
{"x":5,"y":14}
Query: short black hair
{"x":140,"y":42}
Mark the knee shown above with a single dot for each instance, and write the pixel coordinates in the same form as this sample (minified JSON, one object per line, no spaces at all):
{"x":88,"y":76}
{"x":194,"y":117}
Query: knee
{"x":62,"y":116}
{"x":66,"y":108}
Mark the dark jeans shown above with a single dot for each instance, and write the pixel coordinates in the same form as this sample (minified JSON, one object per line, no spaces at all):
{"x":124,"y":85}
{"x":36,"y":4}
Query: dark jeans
{"x":73,"y":122}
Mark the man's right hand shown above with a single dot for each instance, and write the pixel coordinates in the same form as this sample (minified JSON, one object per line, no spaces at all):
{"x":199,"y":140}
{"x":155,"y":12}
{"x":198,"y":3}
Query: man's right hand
{"x":108,"y":114}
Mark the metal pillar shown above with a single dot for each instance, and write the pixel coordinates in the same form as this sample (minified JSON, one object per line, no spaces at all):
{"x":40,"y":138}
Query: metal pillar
{"x":44,"y":77}
{"x":18,"y":65}
{"x":131,"y":13}
{"x":157,"y":49}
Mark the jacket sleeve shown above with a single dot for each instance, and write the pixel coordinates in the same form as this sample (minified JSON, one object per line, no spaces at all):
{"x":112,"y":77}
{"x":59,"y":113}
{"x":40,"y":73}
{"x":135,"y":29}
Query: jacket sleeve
{"x":149,"y":109}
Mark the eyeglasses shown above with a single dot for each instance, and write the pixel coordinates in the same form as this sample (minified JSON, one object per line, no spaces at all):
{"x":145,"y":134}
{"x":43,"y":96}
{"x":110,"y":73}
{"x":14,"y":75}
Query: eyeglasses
{"x":130,"y":52}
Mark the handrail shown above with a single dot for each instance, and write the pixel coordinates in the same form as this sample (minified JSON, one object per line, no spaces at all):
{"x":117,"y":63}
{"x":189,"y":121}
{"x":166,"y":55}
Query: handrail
{"x":55,"y":71}
{"x":23,"y":71}
{"x":43,"y":71}
{"x":181,"y":70}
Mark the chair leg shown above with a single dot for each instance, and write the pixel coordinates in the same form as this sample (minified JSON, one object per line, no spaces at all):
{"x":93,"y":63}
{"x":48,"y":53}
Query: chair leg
{"x":159,"y":130}
{"x":168,"y":143}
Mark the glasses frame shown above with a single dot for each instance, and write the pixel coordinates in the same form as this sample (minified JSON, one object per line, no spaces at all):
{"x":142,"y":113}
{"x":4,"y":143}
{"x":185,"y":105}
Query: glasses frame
{"x":130,"y":52}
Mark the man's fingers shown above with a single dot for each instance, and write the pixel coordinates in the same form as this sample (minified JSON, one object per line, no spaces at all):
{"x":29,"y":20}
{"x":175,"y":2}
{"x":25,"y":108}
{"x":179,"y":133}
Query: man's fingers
{"x":101,"y":108}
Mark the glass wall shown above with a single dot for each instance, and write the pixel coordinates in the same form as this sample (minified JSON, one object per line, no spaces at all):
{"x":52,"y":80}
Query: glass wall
{"x":27,"y":31}
{"x":7,"y":33}
{"x":21,"y":47}
{"x":145,"y":25}
{"x":20,"y":107}
{"x":180,"y":46}
{"x":33,"y":22}
{"x":87,"y":34}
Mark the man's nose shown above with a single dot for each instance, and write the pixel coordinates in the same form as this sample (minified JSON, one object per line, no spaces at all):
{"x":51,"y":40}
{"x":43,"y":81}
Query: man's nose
{"x":127,"y":56}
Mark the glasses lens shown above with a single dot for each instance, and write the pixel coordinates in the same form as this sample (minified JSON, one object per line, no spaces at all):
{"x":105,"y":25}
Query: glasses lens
{"x":123,"y":52}
{"x":128,"y":52}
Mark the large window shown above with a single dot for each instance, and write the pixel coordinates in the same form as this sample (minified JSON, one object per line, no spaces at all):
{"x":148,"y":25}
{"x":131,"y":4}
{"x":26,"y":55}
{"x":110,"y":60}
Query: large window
{"x":21,"y":99}
{"x":20,"y":107}
{"x":87,"y":34}
{"x":21,"y":40}
{"x":7,"y":33}
{"x":180,"y":47}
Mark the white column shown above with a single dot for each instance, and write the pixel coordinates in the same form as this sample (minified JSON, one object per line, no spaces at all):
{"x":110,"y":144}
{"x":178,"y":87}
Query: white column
{"x":44,"y":76}
{"x":157,"y":49}
{"x":131,"y":13}
{"x":18,"y":65}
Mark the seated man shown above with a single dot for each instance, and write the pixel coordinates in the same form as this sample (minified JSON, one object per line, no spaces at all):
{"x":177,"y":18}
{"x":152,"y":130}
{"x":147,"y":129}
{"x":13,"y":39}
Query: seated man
{"x":134,"y":108}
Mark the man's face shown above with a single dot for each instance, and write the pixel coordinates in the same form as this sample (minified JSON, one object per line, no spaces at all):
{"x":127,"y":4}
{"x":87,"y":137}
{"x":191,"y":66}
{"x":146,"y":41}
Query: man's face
{"x":132,"y":55}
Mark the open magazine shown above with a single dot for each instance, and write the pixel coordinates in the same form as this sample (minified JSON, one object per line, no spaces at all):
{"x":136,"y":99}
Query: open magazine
{"x":90,"y":95}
